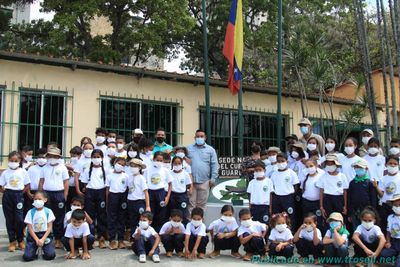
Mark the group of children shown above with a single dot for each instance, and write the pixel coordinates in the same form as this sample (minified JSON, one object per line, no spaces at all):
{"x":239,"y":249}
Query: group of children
{"x":122,"y":192}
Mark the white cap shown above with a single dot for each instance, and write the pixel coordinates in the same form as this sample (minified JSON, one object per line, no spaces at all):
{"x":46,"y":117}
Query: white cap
{"x":137,"y":131}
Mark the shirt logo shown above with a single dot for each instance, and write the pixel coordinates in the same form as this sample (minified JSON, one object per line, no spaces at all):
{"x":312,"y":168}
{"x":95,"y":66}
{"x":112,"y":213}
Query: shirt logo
{"x":182,"y":181}
{"x":123,"y":182}
{"x":287,"y":179}
{"x":339,"y":184}
{"x":395,"y":229}
{"x":57,"y":172}
{"x":156,"y":179}
{"x":265,"y":188}
{"x":132,"y":188}
{"x":390,"y":188}
{"x":14,"y":181}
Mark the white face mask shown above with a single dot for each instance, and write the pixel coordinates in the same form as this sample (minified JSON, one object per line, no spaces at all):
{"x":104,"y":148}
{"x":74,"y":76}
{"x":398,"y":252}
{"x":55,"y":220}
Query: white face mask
{"x":272,"y":158}
{"x":330,"y":147}
{"x":394,"y":151}
{"x":28,"y":158}
{"x":41,"y":161}
{"x":111,"y":151}
{"x":282,"y":166}
{"x":120,"y":146}
{"x":180,"y":155}
{"x":53,"y":161}
{"x":227,"y":219}
{"x":143,"y":225}
{"x":13,"y":165}
{"x":87,"y":153}
{"x":311,"y":170}
{"x":196,"y":223}
{"x":312,"y":147}
{"x":367,"y":225}
{"x":118,"y":167}
{"x":73,"y":207}
{"x":97,"y":161}
{"x":330,"y":168}
{"x":373,"y":151}
{"x":158,"y":164}
{"x":38,"y":203}
{"x":349,"y":150}
{"x":259,"y":174}
{"x":392,"y":170}
{"x":295,"y":154}
{"x":132,"y":154}
{"x":110,"y":139}
{"x":280,"y":227}
{"x":100,"y":139}
{"x":175,"y":224}
{"x":365,"y":140}
{"x":309,"y":228}
{"x":396,"y":210}
{"x":135,"y":170}
{"x":176,"y":167}
{"x":246,"y":223}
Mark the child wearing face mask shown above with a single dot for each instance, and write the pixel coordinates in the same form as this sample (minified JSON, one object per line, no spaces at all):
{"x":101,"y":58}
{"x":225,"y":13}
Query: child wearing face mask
{"x":111,"y":136}
{"x":376,"y":162}
{"x":308,"y":238}
{"x":54,"y":180}
{"x":224,"y":233}
{"x":146,"y":147}
{"x":260,"y":191}
{"x":14,"y":181}
{"x":285,"y":183}
{"x":132,"y":151}
{"x":312,"y":146}
{"x":116,"y":186}
{"x":196,"y":238}
{"x":146,"y":239}
{"x":331,"y":149}
{"x":27,"y":159}
{"x":110,"y":155}
{"x":138,"y":195}
{"x":350,"y":148}
{"x":77,"y":203}
{"x":299,"y":155}
{"x":272,"y":153}
{"x":387,"y":187}
{"x":394,"y":147}
{"x":120,"y":152}
{"x":181,"y":151}
{"x":39,"y":221}
{"x":333,"y":187}
{"x":75,"y":153}
{"x":392,"y":246}
{"x":172,"y":234}
{"x":336,"y":239}
{"x":84,"y":163}
{"x":361,"y":193}
{"x":368,"y":237}
{"x":101,"y":135}
{"x":159,"y":181}
{"x":251,"y":235}
{"x":281,"y":238}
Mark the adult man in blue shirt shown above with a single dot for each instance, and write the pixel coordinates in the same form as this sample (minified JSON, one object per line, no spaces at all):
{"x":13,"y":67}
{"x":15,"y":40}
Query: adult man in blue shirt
{"x":160,"y":144}
{"x":204,"y":165}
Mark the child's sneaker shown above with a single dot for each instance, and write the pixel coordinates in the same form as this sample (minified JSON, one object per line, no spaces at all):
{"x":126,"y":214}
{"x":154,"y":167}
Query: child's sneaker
{"x":21,"y":245}
{"x":12,"y":246}
{"x":102,"y":243}
{"x":142,"y":258}
{"x":156,"y":258}
{"x":168,"y":254}
{"x":121,"y":244}
{"x":113,"y":245}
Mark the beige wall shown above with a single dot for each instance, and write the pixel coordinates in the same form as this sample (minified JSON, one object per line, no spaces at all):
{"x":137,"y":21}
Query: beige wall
{"x":86,"y":86}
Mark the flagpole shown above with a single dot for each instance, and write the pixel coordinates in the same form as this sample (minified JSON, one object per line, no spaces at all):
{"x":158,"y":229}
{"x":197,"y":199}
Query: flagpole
{"x":279,"y":97}
{"x":240,"y":119}
{"x":206,"y":80}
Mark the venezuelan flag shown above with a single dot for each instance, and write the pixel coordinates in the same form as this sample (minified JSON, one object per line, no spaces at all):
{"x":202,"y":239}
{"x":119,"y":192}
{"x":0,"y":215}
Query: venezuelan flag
{"x":233,"y":46}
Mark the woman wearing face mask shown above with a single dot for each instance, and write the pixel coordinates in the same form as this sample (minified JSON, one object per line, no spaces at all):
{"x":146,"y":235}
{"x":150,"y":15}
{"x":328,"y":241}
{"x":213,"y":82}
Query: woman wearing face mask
{"x":83,"y":164}
{"x":350,"y":148}
{"x":247,"y":166}
{"x":331,"y":148}
{"x":336,"y":239}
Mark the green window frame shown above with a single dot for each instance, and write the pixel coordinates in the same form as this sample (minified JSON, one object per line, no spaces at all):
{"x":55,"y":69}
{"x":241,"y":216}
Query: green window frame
{"x":126,"y":114}
{"x":258,"y":126}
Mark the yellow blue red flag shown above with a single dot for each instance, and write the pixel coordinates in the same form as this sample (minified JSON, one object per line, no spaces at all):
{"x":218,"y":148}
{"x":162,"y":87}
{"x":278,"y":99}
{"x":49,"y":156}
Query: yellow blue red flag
{"x":233,"y":46}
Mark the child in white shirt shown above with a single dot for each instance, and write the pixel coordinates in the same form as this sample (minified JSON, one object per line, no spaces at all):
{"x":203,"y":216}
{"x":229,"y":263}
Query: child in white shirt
{"x":308,"y":238}
{"x":376,"y":162}
{"x":172,"y":234}
{"x":281,"y":238}
{"x":336,"y":239}
{"x":196,"y":239}
{"x":392,"y":246}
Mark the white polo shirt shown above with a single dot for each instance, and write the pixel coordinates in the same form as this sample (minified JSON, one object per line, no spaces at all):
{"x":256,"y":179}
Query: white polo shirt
{"x":312,"y":191}
{"x":81,"y":231}
{"x":34,"y":176}
{"x":180,"y":181}
{"x":376,"y":166}
{"x":136,"y":187}
{"x":347,"y":168}
{"x":54,"y":177}
{"x":333,"y":185}
{"x":168,"y":226}
{"x":255,"y":227}
{"x":157,"y":178}
{"x":14,"y":179}
{"x":199,"y":231}
{"x":309,"y":235}
{"x":393,"y":226}
{"x":389,"y":185}
{"x":371,"y":235}
{"x":97,"y":179}
{"x":117,"y":182}
{"x":283,"y":236}
{"x":40,"y":219}
{"x":219,"y":226}
{"x":260,"y":191}
{"x":145,"y":233}
{"x":284,"y":182}
{"x":82,"y":165}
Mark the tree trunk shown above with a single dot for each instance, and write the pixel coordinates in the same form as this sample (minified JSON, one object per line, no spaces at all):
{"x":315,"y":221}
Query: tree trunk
{"x":396,"y":35}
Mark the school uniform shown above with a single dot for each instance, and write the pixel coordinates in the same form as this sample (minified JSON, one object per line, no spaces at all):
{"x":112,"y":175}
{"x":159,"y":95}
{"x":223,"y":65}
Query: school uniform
{"x":116,"y":209}
{"x":347,"y":167}
{"x":195,"y":232}
{"x":14,"y":182}
{"x":179,"y":196}
{"x":122,"y":154}
{"x":82,"y":165}
{"x":136,"y":199}
{"x":54,"y":177}
{"x":39,"y":219}
{"x":256,"y":244}
{"x":393,"y":227}
{"x":147,"y":160}
{"x":78,"y":234}
{"x":334,"y":186}
{"x":305,"y":245}
{"x":102,"y":147}
{"x":34,"y":177}
{"x":311,"y":196}
{"x":270,"y":169}
{"x":376,"y":166}
{"x":172,"y":241}
{"x":334,"y":250}
{"x":389,"y":185}
{"x":218,"y":227}
{"x":283,"y":196}
{"x":146,"y":242}
{"x":95,"y":199}
{"x":283,"y":236}
{"x":157,"y":180}
{"x":260,"y":192}
{"x":370,"y":238}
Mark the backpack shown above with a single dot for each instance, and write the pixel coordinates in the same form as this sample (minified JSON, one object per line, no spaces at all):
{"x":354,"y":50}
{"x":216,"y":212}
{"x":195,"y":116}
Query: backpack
{"x":33,"y":211}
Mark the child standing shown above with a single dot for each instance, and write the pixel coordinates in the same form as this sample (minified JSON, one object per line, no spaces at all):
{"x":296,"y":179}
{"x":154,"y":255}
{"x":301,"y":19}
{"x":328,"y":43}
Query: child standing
{"x":39,"y":221}
{"x":281,"y":238}
{"x":260,"y":190}
{"x":376,"y":162}
{"x":101,"y":135}
{"x":77,"y":235}
{"x":146,"y":239}
{"x":173,"y":234}
{"x":272,"y":153}
{"x":350,"y":148}
{"x":13,"y":183}
{"x":336,"y":238}
{"x":392,"y":246}
{"x":120,"y":152}
{"x":251,"y":235}
{"x":224,"y":233}
{"x":75,"y":153}
{"x":116,"y":185}
{"x":196,"y":239}
{"x":83,"y":164}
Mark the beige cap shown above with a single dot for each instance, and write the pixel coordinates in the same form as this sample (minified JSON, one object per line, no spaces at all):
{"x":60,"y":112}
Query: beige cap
{"x":334,"y":158}
{"x":360,"y":163}
{"x":395,"y":197}
{"x":274,"y":149}
{"x":138,"y":162}
{"x":304,"y":121}
{"x":368,"y":131}
{"x":335,"y":216}
{"x":55,"y":151}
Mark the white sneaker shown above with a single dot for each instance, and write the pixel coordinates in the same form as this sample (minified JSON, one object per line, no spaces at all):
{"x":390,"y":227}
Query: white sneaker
{"x":142,"y":258}
{"x":156,"y":258}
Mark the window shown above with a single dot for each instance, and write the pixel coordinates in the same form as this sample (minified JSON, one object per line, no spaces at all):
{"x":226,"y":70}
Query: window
{"x":125,"y":115}
{"x":257,"y":126}
{"x":41,"y":118}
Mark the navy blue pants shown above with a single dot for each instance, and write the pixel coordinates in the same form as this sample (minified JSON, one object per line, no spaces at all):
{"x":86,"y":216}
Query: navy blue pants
{"x":393,"y":251}
{"x":56,"y":202}
{"x":95,"y":206}
{"x":284,"y":204}
{"x":158,"y":208}
{"x":78,"y":242}
{"x":116,"y":215}
{"x":307,"y":247}
{"x":31,"y":248}
{"x":298,"y":209}
{"x":71,"y":195}
{"x":203,"y":243}
{"x":360,"y":253}
{"x":338,"y":254}
{"x":260,"y":213}
{"x":333,"y":203}
{"x":231,"y":243}
{"x":180,"y":202}
{"x":144,"y":245}
{"x":287,"y":252}
{"x":313,"y":207}
{"x":13,"y":208}
{"x":255,"y":245}
{"x":135,"y":209}
{"x":173,"y":242}
{"x":384,"y":211}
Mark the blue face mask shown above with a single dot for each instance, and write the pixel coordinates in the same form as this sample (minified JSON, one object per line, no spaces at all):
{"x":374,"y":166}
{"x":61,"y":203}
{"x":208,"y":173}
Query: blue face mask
{"x":360,"y":172}
{"x":304,"y":129}
{"x":200,"y":141}
{"x":334,"y":224}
